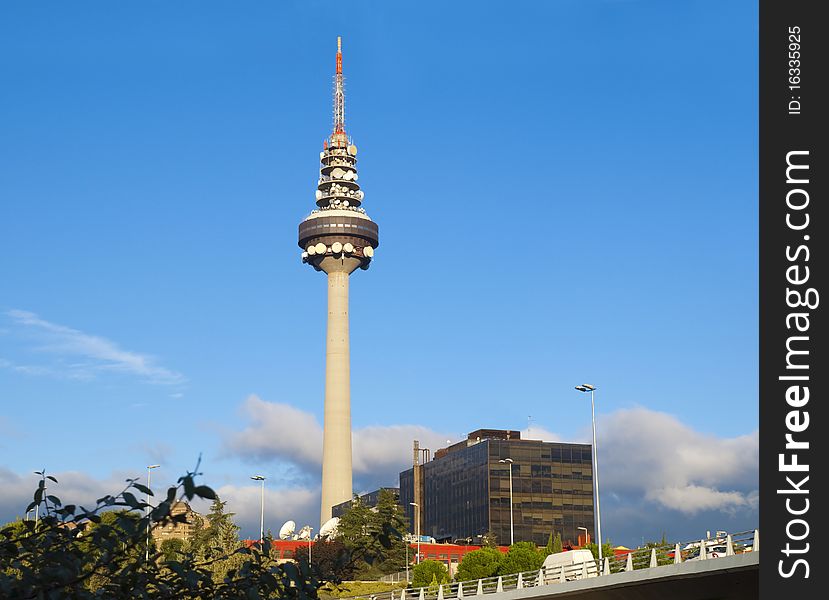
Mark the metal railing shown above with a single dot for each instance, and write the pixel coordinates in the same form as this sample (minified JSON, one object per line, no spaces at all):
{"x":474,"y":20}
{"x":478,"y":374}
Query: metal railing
{"x":636,"y":559}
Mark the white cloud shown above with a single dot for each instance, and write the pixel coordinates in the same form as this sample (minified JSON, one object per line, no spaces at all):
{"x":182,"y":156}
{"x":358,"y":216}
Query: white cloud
{"x":280,"y":431}
{"x":83,"y":356}
{"x":652,"y":455}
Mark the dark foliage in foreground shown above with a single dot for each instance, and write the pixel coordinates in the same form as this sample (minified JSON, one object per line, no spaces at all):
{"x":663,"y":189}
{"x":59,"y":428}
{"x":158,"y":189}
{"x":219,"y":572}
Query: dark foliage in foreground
{"x":75,"y":552}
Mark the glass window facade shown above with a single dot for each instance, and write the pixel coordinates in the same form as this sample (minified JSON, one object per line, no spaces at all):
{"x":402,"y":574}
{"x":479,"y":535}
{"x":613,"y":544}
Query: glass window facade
{"x":467,"y":491}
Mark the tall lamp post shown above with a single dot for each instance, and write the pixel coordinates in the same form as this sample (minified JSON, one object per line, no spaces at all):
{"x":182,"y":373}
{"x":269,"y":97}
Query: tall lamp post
{"x":417,"y":529}
{"x":262,"y":509}
{"x":511,"y":529}
{"x":149,"y":515}
{"x":586,"y":387}
{"x":586,"y":534}
{"x":310,"y":538}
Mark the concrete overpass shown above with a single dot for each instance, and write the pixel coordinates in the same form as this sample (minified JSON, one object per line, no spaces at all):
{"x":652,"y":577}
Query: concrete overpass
{"x":727,"y":578}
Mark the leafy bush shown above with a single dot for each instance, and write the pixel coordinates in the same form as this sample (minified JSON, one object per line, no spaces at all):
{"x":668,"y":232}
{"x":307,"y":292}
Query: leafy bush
{"x":522,"y":556}
{"x":479,"y":564}
{"x":426,"y":571}
{"x":75,"y":552}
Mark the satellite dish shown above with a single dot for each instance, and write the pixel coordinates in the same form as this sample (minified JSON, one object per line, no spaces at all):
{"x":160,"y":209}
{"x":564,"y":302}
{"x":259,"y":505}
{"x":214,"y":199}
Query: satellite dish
{"x":287,"y":530}
{"x":311,"y":250}
{"x":345,"y":203}
{"x":329,"y":528}
{"x":348,"y":248}
{"x":304,"y":533}
{"x":322,"y":155}
{"x":348,"y":175}
{"x":352,"y":150}
{"x":320,"y":248}
{"x":337,"y":173}
{"x":336,"y":247}
{"x":360,"y":194}
{"x":319,"y":194}
{"x":368,"y":251}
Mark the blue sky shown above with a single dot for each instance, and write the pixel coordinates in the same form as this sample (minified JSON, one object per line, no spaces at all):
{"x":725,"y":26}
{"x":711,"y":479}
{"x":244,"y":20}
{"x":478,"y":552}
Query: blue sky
{"x":566,"y":192}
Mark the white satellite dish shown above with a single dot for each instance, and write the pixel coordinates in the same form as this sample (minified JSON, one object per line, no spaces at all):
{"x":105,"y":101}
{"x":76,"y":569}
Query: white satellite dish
{"x":310,"y":250}
{"x":336,"y":247}
{"x":319,"y":194}
{"x":337,"y":173}
{"x":329,"y":528}
{"x":348,"y":248}
{"x":287,"y":530}
{"x":348,"y":175}
{"x":320,"y":248}
{"x":304,"y":533}
{"x":322,"y":155}
{"x":368,"y":251}
{"x":352,"y":150}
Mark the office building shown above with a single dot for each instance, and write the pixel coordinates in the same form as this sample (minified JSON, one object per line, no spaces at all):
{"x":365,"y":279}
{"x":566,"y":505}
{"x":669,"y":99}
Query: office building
{"x":464,"y":491}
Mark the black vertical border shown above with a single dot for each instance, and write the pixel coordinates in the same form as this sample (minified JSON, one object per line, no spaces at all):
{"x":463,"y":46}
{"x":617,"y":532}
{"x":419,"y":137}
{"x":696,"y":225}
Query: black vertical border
{"x":781,"y":133}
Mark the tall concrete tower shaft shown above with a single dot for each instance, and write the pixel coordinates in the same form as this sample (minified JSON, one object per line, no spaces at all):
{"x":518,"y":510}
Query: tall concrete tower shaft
{"x":337,"y":238}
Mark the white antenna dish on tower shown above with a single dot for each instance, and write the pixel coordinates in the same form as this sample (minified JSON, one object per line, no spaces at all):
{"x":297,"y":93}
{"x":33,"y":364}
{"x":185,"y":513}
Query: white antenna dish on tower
{"x":337,"y":173}
{"x":329,"y":528}
{"x":304,"y":533}
{"x":348,"y":175}
{"x":319,"y":194}
{"x":287,"y":530}
{"x":352,"y":150}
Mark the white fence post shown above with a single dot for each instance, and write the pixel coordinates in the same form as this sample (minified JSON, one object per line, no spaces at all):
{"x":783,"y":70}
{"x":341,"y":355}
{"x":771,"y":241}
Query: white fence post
{"x":755,"y":547}
{"x":422,"y":595}
{"x":606,"y":566}
{"x":540,"y":580}
{"x":653,"y":558}
{"x":677,"y":554}
{"x":520,"y":583}
{"x":702,"y":550}
{"x":403,"y":594}
{"x":460,"y":590}
{"x":584,"y":570}
{"x":480,"y":590}
{"x":729,"y":546}
{"x":629,"y":563}
{"x":440,"y":591}
{"x":499,"y":587}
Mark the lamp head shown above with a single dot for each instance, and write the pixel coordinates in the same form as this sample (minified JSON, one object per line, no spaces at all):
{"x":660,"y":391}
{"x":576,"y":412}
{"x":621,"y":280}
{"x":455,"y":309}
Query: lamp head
{"x":581,"y":388}
{"x":257,"y":478}
{"x":153,"y":466}
{"x":588,"y":386}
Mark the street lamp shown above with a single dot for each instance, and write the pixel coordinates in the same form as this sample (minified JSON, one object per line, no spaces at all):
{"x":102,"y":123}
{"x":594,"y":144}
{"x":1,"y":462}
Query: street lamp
{"x":149,"y":514}
{"x":262,"y":509}
{"x":417,"y":529}
{"x":310,"y":537}
{"x":585,"y":534}
{"x":586,"y":387}
{"x":511,"y":529}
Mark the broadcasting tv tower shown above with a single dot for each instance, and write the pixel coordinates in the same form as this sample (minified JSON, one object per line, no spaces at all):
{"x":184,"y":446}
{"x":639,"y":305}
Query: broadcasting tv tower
{"x":337,"y":238}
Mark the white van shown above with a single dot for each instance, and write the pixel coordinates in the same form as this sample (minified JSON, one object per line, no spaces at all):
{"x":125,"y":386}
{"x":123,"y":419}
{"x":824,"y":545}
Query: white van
{"x":574,"y":562}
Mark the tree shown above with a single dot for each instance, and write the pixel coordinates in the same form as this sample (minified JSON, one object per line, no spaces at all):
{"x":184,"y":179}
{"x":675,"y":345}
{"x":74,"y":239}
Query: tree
{"x":428,"y":570}
{"x":374,"y":538}
{"x":79,"y":553}
{"x":331,"y":561}
{"x":553,"y":544}
{"x":489,"y":539}
{"x":172,"y":549}
{"x":521,"y":557}
{"x":389,"y":520}
{"x":479,"y":564}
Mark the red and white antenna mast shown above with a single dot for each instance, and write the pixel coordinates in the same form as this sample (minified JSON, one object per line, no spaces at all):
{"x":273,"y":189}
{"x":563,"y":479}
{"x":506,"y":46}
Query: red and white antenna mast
{"x":339,"y":138}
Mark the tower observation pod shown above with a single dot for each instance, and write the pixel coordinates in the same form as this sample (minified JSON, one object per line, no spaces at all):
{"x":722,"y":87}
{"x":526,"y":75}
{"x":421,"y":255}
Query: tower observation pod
{"x":337,"y":238}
